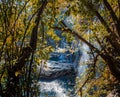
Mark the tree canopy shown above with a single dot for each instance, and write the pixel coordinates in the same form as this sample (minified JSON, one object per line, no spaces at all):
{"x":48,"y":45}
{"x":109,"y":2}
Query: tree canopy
{"x":26,"y":25}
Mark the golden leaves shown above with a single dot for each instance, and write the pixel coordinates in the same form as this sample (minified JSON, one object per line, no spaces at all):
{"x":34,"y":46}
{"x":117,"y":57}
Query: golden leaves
{"x":52,"y":34}
{"x":9,"y":40}
{"x":17,"y":73}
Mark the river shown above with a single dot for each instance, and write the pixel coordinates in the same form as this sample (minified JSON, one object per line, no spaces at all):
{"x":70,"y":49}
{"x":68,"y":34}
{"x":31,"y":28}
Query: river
{"x":64,"y":86}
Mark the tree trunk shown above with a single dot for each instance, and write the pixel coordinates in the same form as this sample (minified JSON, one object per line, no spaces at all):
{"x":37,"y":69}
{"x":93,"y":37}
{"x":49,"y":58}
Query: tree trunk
{"x":12,"y":88}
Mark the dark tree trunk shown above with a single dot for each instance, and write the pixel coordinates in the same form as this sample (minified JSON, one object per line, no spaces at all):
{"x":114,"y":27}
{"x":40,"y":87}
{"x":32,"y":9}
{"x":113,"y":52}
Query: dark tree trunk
{"x":12,"y":88}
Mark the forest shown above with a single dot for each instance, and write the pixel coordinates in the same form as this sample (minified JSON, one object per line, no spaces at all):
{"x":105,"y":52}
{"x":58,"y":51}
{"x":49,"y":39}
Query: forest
{"x":59,"y":48}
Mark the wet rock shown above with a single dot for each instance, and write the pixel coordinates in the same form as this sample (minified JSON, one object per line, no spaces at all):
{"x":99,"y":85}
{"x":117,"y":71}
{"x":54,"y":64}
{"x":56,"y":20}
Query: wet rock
{"x":55,"y":69}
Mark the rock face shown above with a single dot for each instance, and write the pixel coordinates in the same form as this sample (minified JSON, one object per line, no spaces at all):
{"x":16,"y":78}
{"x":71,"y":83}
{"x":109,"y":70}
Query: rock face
{"x":59,"y":65}
{"x":53,"y":69}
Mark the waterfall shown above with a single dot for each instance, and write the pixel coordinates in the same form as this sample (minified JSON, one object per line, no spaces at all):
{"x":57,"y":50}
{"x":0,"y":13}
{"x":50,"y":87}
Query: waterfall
{"x":54,"y":87}
{"x":84,"y":58}
{"x":63,"y":42}
{"x":76,"y":47}
{"x":65,"y":58}
{"x":64,"y":86}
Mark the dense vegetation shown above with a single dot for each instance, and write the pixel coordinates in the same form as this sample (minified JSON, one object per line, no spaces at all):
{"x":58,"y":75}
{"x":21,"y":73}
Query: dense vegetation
{"x":25,"y":26}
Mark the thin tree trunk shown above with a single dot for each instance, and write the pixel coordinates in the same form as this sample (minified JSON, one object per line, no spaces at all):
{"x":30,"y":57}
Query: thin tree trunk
{"x":11,"y":90}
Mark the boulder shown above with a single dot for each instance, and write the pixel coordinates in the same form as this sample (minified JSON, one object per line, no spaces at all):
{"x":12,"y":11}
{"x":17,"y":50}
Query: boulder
{"x":60,"y":64}
{"x":53,"y":69}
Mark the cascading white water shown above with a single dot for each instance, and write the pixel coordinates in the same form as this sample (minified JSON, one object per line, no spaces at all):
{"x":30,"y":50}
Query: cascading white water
{"x":54,"y":87}
{"x":60,"y":87}
{"x":57,"y":88}
{"x":84,"y":59}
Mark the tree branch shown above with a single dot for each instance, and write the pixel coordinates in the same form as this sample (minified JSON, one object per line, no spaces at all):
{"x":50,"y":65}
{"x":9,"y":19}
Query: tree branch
{"x":28,"y":50}
{"x":113,"y":15}
{"x":67,"y":29}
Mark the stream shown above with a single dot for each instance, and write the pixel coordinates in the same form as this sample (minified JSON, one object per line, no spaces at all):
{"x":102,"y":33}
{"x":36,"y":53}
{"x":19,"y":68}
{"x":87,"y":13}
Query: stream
{"x":63,"y":86}
{"x":60,"y":87}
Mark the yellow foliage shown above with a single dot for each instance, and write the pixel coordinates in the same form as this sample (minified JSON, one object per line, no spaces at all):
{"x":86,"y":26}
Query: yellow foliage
{"x":3,"y":77}
{"x":52,"y":34}
{"x":17,"y":73}
{"x":9,"y":40}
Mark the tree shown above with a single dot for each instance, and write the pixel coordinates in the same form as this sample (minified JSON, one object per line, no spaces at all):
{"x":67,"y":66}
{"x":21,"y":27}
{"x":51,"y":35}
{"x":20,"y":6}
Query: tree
{"x":101,"y":18}
{"x":21,"y":44}
{"x":14,"y":55}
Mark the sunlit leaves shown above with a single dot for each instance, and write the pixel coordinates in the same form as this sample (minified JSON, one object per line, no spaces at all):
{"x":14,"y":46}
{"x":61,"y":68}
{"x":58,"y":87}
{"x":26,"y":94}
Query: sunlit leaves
{"x":99,"y":81}
{"x":17,"y":19}
{"x":17,"y":73}
{"x":52,"y":34}
{"x":3,"y":79}
{"x":68,"y":36}
{"x":16,"y":24}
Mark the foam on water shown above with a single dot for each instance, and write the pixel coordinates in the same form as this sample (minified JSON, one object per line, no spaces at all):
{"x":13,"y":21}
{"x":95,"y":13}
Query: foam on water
{"x":84,"y":59}
{"x":54,"y":88}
